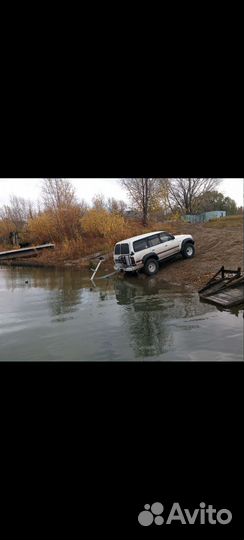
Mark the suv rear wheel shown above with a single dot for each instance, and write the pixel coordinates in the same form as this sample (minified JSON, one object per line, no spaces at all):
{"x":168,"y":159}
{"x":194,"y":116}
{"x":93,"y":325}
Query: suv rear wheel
{"x":151,"y":267}
{"x":188,"y":251}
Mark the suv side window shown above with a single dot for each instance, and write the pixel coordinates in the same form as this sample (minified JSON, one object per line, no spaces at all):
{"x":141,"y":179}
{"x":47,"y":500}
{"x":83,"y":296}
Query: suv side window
{"x":139,"y":245}
{"x":164,"y":237}
{"x":153,"y":241}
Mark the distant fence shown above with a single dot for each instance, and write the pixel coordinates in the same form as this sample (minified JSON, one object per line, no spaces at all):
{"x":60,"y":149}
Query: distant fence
{"x":206,"y":216}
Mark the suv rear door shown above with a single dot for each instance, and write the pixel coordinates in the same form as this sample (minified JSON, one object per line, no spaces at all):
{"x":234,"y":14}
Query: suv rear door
{"x":121,"y":254}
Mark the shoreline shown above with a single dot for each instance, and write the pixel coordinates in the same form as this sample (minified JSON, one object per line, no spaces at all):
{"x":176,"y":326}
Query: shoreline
{"x":217,"y":244}
{"x":172,"y":272}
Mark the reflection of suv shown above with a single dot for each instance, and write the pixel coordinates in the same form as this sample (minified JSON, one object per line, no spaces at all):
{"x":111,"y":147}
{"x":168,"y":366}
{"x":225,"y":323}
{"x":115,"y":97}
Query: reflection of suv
{"x":147,"y":250}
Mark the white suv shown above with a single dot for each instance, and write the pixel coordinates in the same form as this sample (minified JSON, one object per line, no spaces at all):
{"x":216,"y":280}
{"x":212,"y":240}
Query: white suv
{"x":147,"y":250}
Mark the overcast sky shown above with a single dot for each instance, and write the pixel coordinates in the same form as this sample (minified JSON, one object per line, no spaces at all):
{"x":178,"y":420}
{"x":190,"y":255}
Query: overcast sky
{"x":86,"y":188}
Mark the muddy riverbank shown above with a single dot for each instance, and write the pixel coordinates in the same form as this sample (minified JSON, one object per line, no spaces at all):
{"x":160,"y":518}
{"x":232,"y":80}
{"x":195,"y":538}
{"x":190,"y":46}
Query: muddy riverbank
{"x":215,"y":246}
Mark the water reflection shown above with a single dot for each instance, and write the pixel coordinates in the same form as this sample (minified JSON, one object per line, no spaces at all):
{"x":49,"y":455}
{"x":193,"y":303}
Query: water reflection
{"x":65,"y":287}
{"x":66,"y":294}
{"x":64,"y":302}
{"x":44,"y":278}
{"x":152,"y":313}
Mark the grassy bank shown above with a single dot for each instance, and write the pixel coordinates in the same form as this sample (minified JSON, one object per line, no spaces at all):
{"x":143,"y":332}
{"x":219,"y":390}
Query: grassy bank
{"x":226,"y":222}
{"x":78,"y":251}
{"x":218,"y":243}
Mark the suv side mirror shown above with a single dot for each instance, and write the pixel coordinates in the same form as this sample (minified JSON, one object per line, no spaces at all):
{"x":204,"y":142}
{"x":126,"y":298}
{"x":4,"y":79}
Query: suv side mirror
{"x":132,"y":253}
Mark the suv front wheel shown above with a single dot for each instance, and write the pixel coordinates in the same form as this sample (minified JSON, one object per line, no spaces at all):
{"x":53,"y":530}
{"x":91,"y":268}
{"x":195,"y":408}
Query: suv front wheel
{"x":151,"y":267}
{"x":188,"y":251}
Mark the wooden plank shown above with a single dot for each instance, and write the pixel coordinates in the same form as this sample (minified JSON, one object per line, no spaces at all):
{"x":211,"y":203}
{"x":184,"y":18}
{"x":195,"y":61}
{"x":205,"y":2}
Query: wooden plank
{"x":224,"y":286}
{"x":238,"y":271}
{"x":214,"y":287}
{"x":220,"y":284}
{"x":213,"y":279}
{"x":230,"y":298}
{"x":230,"y":304}
{"x":236,"y":282}
{"x":230,"y":293}
{"x":24,"y":252}
{"x":41,"y":246}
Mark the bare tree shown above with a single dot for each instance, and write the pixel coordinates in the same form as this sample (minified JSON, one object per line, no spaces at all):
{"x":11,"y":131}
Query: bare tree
{"x":83,"y":206}
{"x":98,"y":202}
{"x":18,"y":211}
{"x":116,"y":207}
{"x":184,"y":192}
{"x":145,"y":193}
{"x":59,"y":201}
{"x":57,"y":193}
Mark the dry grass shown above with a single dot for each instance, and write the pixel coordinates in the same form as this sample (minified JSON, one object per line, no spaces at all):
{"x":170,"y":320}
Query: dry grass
{"x":222,"y":223}
{"x":7,"y":247}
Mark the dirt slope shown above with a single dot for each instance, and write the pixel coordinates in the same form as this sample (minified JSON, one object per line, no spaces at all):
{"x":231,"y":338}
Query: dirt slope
{"x":215,"y":246}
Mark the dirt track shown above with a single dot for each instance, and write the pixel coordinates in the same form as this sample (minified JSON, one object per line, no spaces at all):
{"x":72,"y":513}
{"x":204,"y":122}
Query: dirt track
{"x":214,"y":247}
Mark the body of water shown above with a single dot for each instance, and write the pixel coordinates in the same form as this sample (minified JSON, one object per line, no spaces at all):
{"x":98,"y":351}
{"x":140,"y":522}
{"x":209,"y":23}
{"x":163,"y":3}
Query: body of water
{"x":52,"y":314}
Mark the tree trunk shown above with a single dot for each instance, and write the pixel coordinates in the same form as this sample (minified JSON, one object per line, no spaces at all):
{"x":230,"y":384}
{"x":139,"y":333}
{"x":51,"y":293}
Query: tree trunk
{"x":145,"y":218}
{"x":145,"y":202}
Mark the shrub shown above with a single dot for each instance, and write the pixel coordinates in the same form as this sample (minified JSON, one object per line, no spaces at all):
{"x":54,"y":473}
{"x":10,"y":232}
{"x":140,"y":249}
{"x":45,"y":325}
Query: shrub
{"x":56,"y":225}
{"x":42,"y":228}
{"x":72,"y":249}
{"x":101,"y":223}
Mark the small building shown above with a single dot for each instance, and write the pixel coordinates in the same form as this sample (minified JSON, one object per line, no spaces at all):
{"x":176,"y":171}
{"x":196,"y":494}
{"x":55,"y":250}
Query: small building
{"x":205,"y":216}
{"x":190,"y":218}
{"x":215,"y":214}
